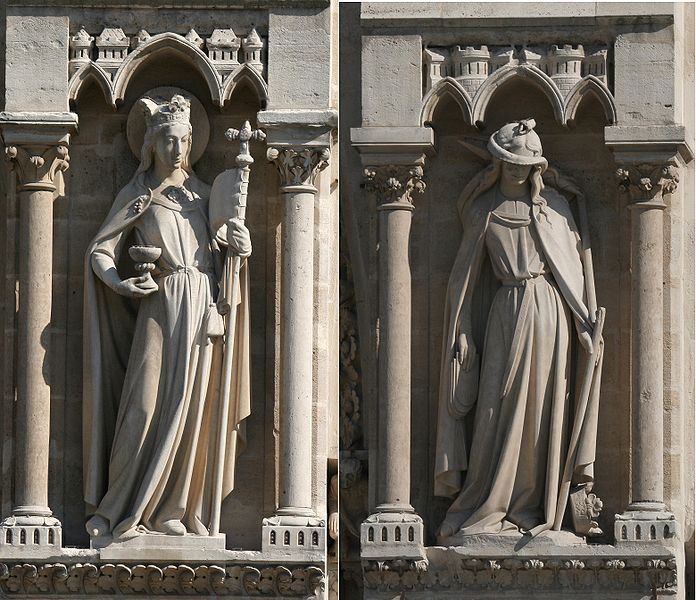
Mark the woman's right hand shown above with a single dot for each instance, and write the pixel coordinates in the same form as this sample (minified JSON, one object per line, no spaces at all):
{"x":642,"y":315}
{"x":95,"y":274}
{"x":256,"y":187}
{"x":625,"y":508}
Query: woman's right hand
{"x":466,"y":351}
{"x":137,"y":287}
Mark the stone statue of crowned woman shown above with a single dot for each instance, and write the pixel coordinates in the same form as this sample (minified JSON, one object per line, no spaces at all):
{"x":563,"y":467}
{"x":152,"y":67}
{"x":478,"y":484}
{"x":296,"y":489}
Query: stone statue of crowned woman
{"x":153,"y":344}
{"x":522,"y":352}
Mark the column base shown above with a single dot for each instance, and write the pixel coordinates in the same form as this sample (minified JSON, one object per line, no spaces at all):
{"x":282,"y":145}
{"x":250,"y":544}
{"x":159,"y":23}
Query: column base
{"x":645,"y":522}
{"x":391,"y":536}
{"x":30,"y":532}
{"x":298,"y":538}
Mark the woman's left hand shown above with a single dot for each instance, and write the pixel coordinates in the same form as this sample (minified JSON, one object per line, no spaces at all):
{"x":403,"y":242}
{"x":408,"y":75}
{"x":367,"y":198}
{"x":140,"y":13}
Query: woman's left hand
{"x":238,"y":238}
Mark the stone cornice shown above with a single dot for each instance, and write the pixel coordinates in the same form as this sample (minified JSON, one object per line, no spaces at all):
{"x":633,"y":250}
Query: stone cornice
{"x":651,"y":143}
{"x":393,"y":145}
{"x":37,"y":128}
{"x":299,"y":166}
{"x":298,"y":127}
{"x":96,"y":580}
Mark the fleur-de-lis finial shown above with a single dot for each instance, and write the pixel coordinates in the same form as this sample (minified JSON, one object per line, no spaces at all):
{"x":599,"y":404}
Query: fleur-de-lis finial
{"x":244,"y":135}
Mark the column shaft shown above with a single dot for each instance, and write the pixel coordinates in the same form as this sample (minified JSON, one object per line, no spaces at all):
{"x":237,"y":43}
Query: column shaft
{"x":33,"y":388}
{"x":647,"y":351}
{"x":296,"y":347}
{"x":394,"y":482}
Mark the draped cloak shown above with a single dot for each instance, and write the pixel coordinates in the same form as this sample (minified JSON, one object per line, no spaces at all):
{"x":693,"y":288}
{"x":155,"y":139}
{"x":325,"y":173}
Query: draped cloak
{"x":109,"y":328}
{"x":470,"y":292}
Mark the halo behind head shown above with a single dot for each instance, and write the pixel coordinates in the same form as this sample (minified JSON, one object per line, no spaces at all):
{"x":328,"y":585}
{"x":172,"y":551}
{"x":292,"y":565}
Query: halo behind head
{"x":163,"y":105}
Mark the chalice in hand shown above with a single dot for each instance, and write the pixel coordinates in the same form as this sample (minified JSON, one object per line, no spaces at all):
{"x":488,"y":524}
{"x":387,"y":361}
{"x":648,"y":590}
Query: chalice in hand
{"x":145,"y":257}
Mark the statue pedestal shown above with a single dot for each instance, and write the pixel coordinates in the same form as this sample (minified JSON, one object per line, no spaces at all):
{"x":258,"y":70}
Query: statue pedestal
{"x":294,"y":538}
{"x":392,"y":535}
{"x":645,"y":526}
{"x":153,"y":546}
{"x":20,"y":534}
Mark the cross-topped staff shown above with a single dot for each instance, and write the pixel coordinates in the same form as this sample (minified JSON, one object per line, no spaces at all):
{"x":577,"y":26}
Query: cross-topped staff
{"x":228,"y":305}
{"x":244,"y":135}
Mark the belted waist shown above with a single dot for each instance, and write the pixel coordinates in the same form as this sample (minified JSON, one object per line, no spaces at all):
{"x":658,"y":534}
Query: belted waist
{"x":524,"y":282}
{"x":184,"y":269}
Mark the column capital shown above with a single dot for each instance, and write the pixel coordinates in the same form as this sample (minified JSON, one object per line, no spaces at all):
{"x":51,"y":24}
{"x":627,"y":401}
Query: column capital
{"x":36,"y":167}
{"x":37,"y":145}
{"x":299,"y":166}
{"x":394,"y":185}
{"x":647,"y":183}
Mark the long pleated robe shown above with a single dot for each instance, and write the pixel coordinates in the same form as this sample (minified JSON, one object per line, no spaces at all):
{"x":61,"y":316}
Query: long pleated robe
{"x":152,"y":377}
{"x":517,"y":287}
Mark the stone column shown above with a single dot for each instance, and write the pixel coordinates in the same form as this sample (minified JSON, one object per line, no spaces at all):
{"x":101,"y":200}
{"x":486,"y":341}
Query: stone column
{"x":393,"y":158}
{"x":38,"y":150}
{"x":648,"y":159}
{"x":647,"y":187}
{"x":647,"y":517}
{"x":295,"y":518}
{"x":393,"y":187}
{"x":394,"y":529}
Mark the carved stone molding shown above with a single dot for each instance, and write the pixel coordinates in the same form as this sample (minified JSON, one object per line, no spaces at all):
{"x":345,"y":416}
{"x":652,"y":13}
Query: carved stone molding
{"x":394,"y":184}
{"x":471,"y":74}
{"x":95,"y":580}
{"x":299,"y":166}
{"x":36,"y":168}
{"x":118,"y":55}
{"x":561,"y":575}
{"x":648,"y":182}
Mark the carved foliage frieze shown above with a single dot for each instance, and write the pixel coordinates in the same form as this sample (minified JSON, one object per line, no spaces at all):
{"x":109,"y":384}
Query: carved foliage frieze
{"x":393,"y":184}
{"x":518,"y":574}
{"x":299,"y":166}
{"x":176,"y":580}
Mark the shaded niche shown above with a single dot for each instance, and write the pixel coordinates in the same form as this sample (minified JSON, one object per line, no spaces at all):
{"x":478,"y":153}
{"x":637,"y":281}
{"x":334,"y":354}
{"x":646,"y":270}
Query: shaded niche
{"x":577,"y":151}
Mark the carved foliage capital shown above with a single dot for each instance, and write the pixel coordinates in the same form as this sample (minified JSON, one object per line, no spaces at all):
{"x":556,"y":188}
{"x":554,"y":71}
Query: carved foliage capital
{"x":647,"y":182}
{"x":394,"y":183}
{"x":36,"y":168}
{"x":299,"y":166}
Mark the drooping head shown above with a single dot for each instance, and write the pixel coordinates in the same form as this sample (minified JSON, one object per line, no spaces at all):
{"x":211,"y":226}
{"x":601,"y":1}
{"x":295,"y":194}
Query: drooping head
{"x":168,"y":134}
{"x":518,"y":147}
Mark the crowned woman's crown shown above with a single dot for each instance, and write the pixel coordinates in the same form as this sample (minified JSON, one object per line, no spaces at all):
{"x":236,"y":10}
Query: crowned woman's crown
{"x":161,"y":112}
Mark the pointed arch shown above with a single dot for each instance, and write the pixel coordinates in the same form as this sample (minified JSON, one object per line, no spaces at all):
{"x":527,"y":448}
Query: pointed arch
{"x":250,"y":75}
{"x":528,"y":72}
{"x":88,"y":71}
{"x":590,"y":85}
{"x":166,"y":42}
{"x":445,"y":87}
